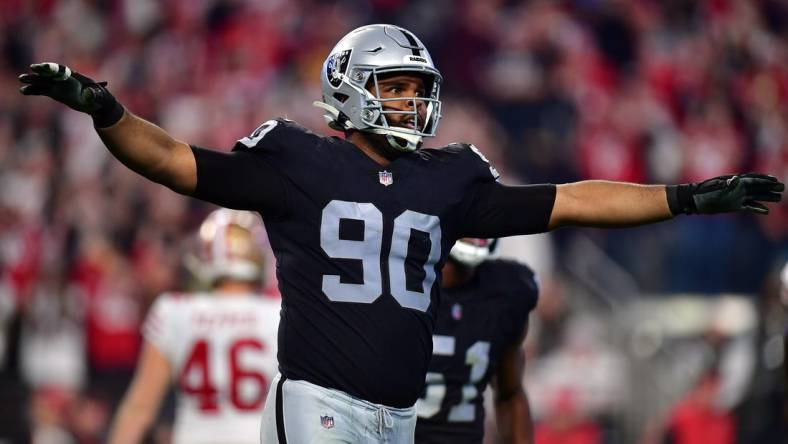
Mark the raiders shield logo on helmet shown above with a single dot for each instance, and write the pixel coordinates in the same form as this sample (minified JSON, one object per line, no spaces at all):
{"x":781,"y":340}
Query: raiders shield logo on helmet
{"x":337,"y":66}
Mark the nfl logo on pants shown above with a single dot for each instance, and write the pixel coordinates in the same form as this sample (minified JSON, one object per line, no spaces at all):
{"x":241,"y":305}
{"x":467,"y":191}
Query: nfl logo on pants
{"x":327,"y":421}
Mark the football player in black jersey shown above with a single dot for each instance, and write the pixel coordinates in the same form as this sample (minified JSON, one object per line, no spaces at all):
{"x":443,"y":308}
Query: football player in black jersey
{"x":480,"y":325}
{"x":361,"y":226}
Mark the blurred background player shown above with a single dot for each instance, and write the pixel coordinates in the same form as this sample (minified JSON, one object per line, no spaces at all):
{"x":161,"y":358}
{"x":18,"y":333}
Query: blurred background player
{"x":481,"y":323}
{"x":218,"y":347}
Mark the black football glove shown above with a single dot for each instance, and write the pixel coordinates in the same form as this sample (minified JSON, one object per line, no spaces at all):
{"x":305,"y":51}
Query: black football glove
{"x":76,"y":91}
{"x":723,"y":194}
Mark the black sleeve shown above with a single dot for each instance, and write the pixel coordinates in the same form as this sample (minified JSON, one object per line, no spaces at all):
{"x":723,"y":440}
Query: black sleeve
{"x":497,"y":210}
{"x":240,"y":180}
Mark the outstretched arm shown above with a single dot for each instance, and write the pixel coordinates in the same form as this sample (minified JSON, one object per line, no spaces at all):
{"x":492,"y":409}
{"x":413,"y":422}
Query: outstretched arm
{"x":512,"y":412}
{"x":140,"y":145}
{"x":498,"y":210}
{"x":598,"y":203}
{"x":141,"y":403}
{"x":225,"y":179}
{"x":149,"y":151}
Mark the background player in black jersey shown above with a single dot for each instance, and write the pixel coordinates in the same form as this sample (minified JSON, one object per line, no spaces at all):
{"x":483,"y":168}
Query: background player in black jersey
{"x":361,"y":226}
{"x":481,"y":323}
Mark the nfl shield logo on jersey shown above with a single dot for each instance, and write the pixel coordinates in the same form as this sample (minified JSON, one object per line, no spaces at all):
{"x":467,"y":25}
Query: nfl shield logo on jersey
{"x":327,"y":421}
{"x":456,"y":312}
{"x":386,"y":178}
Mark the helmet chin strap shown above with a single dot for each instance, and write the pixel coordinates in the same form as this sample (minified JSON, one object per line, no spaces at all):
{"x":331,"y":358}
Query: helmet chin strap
{"x":394,"y":138}
{"x":409,"y":145}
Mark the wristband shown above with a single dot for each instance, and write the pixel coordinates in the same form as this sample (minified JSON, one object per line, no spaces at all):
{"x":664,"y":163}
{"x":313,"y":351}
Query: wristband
{"x":680,"y":199}
{"x":109,"y":112}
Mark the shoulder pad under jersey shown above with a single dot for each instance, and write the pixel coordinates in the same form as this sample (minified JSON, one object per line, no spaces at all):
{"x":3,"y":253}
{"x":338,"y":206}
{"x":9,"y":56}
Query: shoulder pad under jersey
{"x":276,"y":135}
{"x":519,"y":279}
{"x":470,"y":155}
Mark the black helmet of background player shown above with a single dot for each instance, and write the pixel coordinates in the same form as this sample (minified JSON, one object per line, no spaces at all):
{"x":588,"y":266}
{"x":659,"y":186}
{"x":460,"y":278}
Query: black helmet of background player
{"x":229,"y":247}
{"x":471,"y":252}
{"x":357,"y":62}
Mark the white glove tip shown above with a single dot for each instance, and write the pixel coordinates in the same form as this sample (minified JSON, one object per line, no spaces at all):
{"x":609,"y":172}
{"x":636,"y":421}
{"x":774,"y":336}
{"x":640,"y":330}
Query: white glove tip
{"x":56,"y":71}
{"x":65,"y":74}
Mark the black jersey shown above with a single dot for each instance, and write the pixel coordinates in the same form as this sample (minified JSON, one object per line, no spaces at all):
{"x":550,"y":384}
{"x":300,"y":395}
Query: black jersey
{"x":475,"y":323}
{"x":358,"y":248}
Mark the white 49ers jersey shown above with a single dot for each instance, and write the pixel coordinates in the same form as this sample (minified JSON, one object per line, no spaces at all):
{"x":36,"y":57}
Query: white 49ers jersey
{"x":222,"y":350}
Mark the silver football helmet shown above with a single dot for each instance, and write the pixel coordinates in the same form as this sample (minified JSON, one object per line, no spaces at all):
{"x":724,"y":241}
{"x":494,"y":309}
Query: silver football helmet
{"x":355,"y":64}
{"x":472,"y":252}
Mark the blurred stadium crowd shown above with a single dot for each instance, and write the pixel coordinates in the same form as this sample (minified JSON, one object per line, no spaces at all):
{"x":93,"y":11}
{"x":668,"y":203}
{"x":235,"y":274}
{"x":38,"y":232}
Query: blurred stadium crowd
{"x":552,"y":91}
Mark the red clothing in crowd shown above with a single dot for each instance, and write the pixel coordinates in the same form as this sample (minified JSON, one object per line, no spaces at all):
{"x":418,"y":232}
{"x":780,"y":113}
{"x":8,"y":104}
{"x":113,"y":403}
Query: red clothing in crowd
{"x":112,"y":316}
{"x":693,"y":423}
{"x":583,"y":433}
{"x":696,"y":419}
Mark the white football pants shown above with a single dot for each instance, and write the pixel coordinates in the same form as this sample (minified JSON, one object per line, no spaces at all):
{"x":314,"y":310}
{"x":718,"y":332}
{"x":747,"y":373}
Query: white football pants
{"x":298,"y":412}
